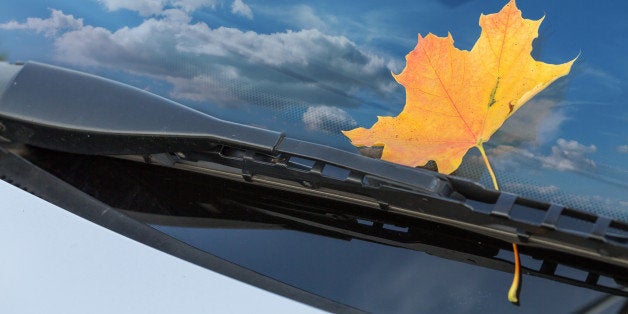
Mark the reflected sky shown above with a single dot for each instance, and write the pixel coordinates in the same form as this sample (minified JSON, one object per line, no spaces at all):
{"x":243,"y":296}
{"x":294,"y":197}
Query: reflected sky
{"x":311,"y":69}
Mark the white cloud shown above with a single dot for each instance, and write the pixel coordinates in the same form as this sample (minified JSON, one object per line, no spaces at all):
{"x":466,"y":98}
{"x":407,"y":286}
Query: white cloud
{"x":143,"y":7}
{"x":601,"y":205}
{"x":57,"y":22}
{"x":536,"y":123}
{"x":569,"y":155}
{"x":302,"y":16}
{"x":207,"y":64}
{"x":156,"y":7}
{"x":531,"y":189}
{"x":623,"y":149}
{"x":502,"y":150}
{"x":305,"y":17}
{"x":241,"y":8}
{"x":191,"y":5}
{"x":326,"y":118}
{"x":602,"y":80}
{"x":178,"y":16}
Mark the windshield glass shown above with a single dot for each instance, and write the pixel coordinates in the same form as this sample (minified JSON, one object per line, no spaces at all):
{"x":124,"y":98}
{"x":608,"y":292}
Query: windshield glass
{"x":311,"y":70}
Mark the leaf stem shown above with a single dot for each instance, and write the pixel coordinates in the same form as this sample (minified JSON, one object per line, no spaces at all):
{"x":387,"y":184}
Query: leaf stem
{"x":515,"y":287}
{"x":488,"y":165}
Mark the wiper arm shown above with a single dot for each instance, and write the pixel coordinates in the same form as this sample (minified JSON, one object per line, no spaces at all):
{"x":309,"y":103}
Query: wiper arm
{"x":69,"y":111}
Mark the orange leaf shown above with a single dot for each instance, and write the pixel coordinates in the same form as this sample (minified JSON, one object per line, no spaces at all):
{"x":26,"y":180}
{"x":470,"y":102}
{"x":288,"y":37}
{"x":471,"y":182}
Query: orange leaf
{"x":456,"y":99}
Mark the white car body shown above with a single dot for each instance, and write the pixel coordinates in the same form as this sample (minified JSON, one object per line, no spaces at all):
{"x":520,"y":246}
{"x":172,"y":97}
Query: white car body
{"x":56,"y":262}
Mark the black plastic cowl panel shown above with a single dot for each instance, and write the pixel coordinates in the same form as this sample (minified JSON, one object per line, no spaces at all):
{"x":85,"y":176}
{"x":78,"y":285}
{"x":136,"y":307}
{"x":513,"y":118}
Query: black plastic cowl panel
{"x":70,"y":111}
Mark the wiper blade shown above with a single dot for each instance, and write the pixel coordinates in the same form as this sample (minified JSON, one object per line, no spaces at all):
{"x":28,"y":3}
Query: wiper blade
{"x":458,"y":202}
{"x":69,"y":111}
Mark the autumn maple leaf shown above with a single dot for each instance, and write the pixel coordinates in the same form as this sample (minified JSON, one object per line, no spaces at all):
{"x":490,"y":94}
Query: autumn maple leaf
{"x":456,"y":99}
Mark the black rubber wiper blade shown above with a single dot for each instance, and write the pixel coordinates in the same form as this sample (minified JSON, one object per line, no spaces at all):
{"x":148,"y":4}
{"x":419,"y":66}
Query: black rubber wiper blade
{"x":73,"y":112}
{"x":457,"y":202}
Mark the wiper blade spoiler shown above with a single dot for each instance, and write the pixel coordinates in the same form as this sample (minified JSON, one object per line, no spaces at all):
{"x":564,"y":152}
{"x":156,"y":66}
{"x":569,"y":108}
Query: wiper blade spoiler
{"x":71,"y":111}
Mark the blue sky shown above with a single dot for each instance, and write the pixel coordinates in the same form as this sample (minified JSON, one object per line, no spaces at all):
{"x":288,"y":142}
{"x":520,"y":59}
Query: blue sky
{"x":313,"y":68}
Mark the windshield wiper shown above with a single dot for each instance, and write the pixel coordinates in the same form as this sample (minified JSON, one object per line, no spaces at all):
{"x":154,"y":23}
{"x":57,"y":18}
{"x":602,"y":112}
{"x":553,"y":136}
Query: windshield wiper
{"x":68,"y":111}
